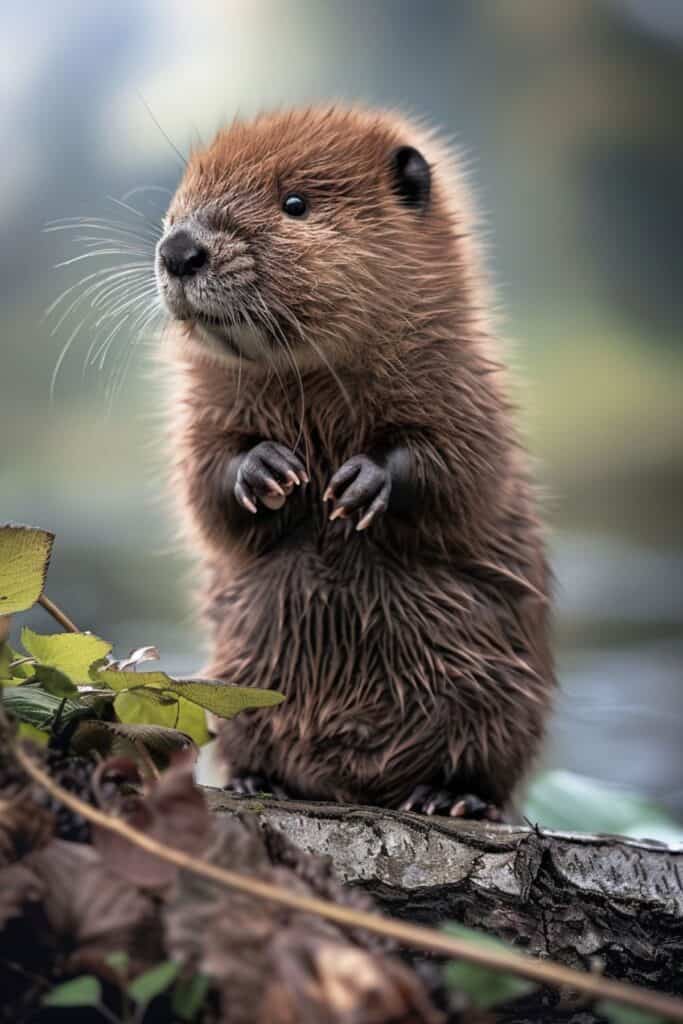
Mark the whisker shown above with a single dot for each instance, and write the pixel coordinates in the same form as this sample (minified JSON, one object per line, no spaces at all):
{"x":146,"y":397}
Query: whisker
{"x":62,"y":356}
{"x":146,"y":188}
{"x":138,"y":213}
{"x":171,"y":144}
{"x":127,"y":267}
{"x":143,"y":233}
{"x":95,"y":288}
{"x":89,"y":255}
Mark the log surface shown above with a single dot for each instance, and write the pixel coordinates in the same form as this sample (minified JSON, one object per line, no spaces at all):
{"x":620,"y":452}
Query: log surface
{"x":574,"y":897}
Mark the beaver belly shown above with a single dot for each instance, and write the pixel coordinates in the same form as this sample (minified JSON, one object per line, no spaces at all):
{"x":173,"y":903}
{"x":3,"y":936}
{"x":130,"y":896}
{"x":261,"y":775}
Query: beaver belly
{"x":385,"y":674}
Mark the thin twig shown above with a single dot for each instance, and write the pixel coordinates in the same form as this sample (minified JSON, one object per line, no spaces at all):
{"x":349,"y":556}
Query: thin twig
{"x":415,"y":936}
{"x":57,"y":613}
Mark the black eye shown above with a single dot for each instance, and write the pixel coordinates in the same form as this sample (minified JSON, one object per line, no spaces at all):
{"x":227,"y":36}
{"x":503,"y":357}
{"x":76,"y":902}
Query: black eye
{"x":294,"y":205}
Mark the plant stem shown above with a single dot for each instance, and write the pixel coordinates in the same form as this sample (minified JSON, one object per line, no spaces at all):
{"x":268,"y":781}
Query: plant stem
{"x":543,"y":972}
{"x":61,"y":617}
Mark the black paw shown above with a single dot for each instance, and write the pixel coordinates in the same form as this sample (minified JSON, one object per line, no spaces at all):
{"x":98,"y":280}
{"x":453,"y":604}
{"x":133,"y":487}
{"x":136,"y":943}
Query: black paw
{"x":360,"y":486}
{"x":430,"y":800}
{"x":268,"y":474}
{"x":255,"y":785}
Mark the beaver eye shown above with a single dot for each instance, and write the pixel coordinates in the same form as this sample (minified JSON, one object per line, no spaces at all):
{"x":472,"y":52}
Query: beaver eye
{"x":294,"y":205}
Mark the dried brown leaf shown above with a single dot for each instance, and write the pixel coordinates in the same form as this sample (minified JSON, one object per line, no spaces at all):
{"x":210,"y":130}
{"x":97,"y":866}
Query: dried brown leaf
{"x":171,"y":809}
{"x":276,"y":965}
{"x":84,"y":901}
{"x":19,"y":885}
{"x":24,"y":826}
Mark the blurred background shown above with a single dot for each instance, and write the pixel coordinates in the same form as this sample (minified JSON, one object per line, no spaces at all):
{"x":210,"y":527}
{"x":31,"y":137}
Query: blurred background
{"x":569,"y":114}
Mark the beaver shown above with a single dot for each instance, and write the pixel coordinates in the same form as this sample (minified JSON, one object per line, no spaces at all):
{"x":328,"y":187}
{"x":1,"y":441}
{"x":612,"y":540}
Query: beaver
{"x":349,"y":468}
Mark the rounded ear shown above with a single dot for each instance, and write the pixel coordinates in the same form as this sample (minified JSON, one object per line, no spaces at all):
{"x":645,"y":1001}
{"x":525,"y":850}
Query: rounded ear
{"x":411,"y":177}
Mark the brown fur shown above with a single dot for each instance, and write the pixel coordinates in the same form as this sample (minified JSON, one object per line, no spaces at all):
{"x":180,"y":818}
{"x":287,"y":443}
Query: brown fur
{"x":416,"y":651}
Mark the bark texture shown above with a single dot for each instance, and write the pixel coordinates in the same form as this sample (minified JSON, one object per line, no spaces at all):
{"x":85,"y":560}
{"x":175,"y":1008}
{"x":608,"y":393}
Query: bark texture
{"x":570,"y":896}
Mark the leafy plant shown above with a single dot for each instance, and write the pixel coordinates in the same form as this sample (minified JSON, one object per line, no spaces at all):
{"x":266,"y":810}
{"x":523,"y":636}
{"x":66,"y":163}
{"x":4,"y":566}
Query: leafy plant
{"x":187,"y":995}
{"x":69,"y":684}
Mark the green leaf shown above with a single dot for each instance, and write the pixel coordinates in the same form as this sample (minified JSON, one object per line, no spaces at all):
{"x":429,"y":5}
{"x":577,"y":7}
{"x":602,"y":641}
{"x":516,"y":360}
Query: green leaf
{"x":143,"y":707}
{"x":6,"y":659}
{"x":37,"y":736}
{"x":24,"y":558}
{"x":83,"y":991}
{"x":22,"y":671}
{"x":30,"y":703}
{"x":53,"y":681}
{"x":189,"y":996}
{"x":152,"y":983}
{"x":221,"y":698}
{"x":459,"y":931}
{"x":212,"y":694}
{"x":71,"y":653}
{"x":131,"y":680}
{"x":483,"y":986}
{"x":618,"y":1014}
{"x":565,"y":800}
{"x":192,"y":720}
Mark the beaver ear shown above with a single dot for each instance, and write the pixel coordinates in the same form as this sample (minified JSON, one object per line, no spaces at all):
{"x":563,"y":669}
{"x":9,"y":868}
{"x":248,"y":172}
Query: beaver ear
{"x":412,"y":177}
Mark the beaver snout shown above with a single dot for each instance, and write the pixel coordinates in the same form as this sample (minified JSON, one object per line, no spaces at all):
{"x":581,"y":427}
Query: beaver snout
{"x":181,"y":255}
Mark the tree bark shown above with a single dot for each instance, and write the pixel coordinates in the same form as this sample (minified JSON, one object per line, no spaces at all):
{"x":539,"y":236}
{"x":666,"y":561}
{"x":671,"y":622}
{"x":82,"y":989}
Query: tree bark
{"x":583,"y":900}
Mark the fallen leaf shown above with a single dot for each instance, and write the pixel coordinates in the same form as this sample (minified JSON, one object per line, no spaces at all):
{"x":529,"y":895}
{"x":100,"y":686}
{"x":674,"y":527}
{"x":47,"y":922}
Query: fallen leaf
{"x":87,"y":905}
{"x":173,"y":811}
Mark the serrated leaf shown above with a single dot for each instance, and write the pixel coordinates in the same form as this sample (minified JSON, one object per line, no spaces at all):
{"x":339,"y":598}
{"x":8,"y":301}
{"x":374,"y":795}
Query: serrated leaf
{"x":114,"y":739}
{"x":152,"y":983}
{"x":214,"y":695}
{"x":131,"y":680}
{"x":189,"y":996}
{"x":24,"y":558}
{"x":71,"y":653}
{"x":618,"y":1014}
{"x":53,"y":681}
{"x":83,"y":991}
{"x":221,"y":698}
{"x":30,"y":703}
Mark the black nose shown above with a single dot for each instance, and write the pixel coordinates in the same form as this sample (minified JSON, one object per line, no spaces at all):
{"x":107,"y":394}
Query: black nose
{"x":181,"y":255}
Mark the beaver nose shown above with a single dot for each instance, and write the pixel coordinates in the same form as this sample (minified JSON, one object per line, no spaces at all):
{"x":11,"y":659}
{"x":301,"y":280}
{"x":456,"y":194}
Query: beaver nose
{"x":181,"y":255}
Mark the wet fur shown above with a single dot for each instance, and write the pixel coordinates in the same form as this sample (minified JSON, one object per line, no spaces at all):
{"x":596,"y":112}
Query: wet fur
{"x":416,"y":651}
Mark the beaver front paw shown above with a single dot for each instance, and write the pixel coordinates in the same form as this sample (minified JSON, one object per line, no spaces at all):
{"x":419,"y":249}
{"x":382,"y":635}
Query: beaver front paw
{"x":360,"y":485}
{"x":268,"y":473}
{"x":431,"y":800}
